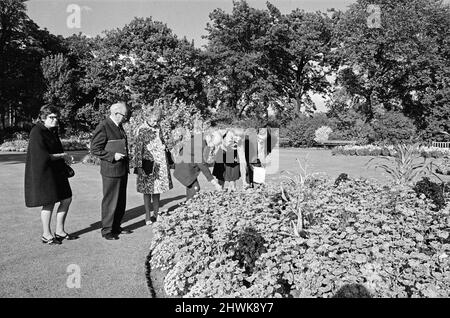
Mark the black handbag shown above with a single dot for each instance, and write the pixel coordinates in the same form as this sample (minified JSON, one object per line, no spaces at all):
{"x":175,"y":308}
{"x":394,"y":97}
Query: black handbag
{"x":148,"y":166}
{"x":170,"y":161}
{"x":68,"y":171}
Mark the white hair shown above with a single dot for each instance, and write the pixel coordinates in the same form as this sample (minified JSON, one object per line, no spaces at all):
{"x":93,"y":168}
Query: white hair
{"x":117,"y":107}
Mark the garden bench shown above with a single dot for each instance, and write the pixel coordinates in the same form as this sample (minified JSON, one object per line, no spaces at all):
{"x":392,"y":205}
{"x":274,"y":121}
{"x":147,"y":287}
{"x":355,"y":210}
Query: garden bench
{"x":334,"y":143}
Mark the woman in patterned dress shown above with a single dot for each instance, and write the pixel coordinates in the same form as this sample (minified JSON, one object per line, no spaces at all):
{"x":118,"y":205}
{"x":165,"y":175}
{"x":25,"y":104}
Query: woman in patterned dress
{"x":150,"y":148}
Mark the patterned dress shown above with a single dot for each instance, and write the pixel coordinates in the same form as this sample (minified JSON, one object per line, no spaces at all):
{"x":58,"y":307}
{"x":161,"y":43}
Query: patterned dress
{"x":149,"y":146}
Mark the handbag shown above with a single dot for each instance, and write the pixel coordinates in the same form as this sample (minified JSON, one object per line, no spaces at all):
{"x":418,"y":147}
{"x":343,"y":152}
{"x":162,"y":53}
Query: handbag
{"x":259,"y":174}
{"x":148,"y":166}
{"x":68,"y":171}
{"x":170,"y":161}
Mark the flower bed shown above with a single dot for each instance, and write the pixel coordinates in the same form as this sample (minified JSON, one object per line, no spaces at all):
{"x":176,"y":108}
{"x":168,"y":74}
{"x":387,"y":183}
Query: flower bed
{"x":371,"y":150}
{"x":69,"y":144}
{"x":443,"y":166}
{"x":388,"y":240}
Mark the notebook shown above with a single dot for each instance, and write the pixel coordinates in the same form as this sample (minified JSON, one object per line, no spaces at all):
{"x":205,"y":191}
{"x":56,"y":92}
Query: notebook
{"x":116,"y":145}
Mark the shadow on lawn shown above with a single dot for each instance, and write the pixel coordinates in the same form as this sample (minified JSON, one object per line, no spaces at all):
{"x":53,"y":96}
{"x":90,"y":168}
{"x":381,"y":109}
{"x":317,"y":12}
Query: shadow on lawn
{"x":130,"y":215}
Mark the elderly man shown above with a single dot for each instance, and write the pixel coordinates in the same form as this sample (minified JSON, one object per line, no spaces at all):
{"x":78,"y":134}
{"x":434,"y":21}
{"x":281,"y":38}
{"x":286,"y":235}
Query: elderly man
{"x":109,"y":143}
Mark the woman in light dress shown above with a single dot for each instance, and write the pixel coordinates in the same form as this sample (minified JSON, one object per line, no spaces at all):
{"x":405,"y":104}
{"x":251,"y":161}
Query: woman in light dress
{"x":151,"y":162}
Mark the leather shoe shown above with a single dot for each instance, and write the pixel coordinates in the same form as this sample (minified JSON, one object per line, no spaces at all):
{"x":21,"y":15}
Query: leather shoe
{"x":124,"y":231}
{"x":110,"y":236}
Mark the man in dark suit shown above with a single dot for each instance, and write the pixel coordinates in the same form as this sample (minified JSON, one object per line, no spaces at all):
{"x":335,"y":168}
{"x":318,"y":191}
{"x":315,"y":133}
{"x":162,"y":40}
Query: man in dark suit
{"x":114,"y":168}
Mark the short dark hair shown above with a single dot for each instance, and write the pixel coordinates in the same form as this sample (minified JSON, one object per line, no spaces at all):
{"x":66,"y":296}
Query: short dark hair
{"x":47,"y":110}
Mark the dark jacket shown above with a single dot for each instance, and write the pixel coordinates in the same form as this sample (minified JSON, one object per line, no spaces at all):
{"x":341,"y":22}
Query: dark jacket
{"x":45,"y":182}
{"x":188,"y":171}
{"x":105,"y":131}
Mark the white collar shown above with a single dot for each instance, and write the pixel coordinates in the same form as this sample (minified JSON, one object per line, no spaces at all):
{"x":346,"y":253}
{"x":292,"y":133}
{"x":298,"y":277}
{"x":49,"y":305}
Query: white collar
{"x":112,"y":118}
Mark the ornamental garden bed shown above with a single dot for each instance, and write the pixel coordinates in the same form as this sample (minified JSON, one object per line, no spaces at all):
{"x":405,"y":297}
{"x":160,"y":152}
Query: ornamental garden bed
{"x":371,"y":150}
{"x":388,"y":240}
{"x":21,"y":145}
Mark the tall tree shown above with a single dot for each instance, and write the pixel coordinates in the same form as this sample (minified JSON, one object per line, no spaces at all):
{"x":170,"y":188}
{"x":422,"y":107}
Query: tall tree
{"x":140,"y":63}
{"x":402,"y":65}
{"x":235,"y":45}
{"x":298,"y":53}
{"x":22,"y":46}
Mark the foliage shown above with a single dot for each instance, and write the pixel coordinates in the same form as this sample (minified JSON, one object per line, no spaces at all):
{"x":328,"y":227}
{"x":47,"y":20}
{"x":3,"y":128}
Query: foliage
{"x":432,"y":191}
{"x":348,"y":123}
{"x":22,"y":46}
{"x":404,"y":168}
{"x":301,"y":131}
{"x":393,"y":127}
{"x":21,"y":145}
{"x":343,"y":177}
{"x":60,"y":83}
{"x":246,"y":247}
{"x":140,"y":63}
{"x":443,"y":166}
{"x":400,"y":66}
{"x":388,"y":150}
{"x":384,"y":238}
{"x":176,"y":116}
{"x":322,"y":134}
{"x":262,"y":58}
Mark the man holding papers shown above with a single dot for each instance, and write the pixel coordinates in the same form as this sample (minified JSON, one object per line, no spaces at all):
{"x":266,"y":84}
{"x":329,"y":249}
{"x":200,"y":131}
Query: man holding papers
{"x":109,"y":143}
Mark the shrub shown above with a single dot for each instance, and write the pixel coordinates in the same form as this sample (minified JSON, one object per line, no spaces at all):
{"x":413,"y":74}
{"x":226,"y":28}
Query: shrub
{"x":443,"y":166}
{"x":432,"y":191}
{"x":301,"y":131}
{"x":393,"y":127}
{"x":246,"y":248}
{"x":20,"y":145}
{"x":322,"y":133}
{"x":383,"y":238}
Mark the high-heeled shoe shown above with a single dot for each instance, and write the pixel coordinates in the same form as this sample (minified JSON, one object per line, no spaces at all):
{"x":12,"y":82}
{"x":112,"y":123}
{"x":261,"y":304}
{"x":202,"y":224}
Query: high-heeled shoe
{"x":65,"y":237}
{"x":51,"y":241}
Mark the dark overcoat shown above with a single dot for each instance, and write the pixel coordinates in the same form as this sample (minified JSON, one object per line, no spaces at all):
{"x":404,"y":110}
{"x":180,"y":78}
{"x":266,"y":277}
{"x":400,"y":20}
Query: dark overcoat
{"x":45,"y":182}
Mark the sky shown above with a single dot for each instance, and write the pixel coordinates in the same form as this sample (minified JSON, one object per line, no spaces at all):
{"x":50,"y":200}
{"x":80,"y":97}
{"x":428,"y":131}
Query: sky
{"x":185,"y":17}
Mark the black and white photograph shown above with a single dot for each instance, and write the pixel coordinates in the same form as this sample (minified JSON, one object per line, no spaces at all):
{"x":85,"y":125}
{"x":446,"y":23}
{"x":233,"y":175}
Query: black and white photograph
{"x":224,"y":155}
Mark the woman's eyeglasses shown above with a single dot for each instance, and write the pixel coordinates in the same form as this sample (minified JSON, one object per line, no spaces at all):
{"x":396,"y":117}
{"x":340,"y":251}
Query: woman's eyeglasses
{"x":52,"y":117}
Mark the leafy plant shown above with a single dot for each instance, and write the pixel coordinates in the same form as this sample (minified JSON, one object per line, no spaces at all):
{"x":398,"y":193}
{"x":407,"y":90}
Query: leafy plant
{"x":403,"y":168}
{"x":432,"y":191}
{"x":246,"y":247}
{"x":297,"y":181}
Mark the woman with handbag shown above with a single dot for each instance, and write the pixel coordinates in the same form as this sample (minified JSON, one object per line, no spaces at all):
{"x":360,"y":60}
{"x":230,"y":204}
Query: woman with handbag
{"x":152,"y":166}
{"x":46,"y":175}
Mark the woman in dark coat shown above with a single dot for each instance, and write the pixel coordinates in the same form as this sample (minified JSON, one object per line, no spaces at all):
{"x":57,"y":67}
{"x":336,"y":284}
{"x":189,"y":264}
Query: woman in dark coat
{"x":45,"y":180}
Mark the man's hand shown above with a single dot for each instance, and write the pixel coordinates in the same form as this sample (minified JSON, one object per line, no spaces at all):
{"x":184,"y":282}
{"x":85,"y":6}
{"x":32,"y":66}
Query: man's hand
{"x":118,"y":156}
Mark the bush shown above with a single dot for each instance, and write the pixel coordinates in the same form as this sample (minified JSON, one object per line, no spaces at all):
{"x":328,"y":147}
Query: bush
{"x":432,"y":191}
{"x":393,"y":127}
{"x":19,"y":145}
{"x":301,"y":131}
{"x":350,"y":125}
{"x":443,"y":166}
{"x":322,"y":134}
{"x":69,"y":144}
{"x":383,"y":238}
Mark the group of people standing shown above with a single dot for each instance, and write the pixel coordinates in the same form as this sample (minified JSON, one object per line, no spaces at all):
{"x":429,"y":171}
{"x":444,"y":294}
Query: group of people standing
{"x":232,"y":153}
